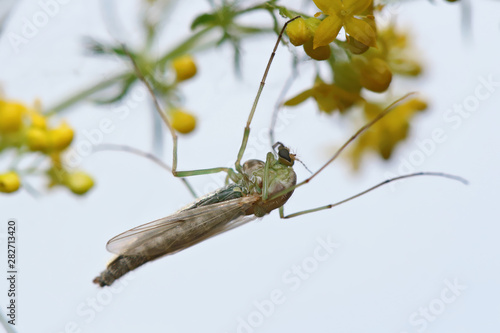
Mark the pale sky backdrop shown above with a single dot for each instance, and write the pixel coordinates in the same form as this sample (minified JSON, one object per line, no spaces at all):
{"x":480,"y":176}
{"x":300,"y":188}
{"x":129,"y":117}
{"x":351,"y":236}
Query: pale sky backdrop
{"x":421,"y":256}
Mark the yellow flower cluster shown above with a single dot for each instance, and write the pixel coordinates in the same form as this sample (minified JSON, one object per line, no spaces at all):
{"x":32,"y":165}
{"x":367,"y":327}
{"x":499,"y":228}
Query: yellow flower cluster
{"x":301,"y":32}
{"x":356,"y":16}
{"x":26,"y":130}
{"x":365,"y":61}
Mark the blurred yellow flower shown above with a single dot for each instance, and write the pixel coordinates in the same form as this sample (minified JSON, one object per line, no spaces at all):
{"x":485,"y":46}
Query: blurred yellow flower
{"x":182,"y":121}
{"x":375,"y":75}
{"x":38,"y":120}
{"x":11,"y":116}
{"x":384,"y":136}
{"x":399,"y":54}
{"x":60,"y":137}
{"x":345,"y":13}
{"x":9,"y":182}
{"x":185,"y":67}
{"x":37,"y":139}
{"x":79,"y":182}
{"x":329,"y":97}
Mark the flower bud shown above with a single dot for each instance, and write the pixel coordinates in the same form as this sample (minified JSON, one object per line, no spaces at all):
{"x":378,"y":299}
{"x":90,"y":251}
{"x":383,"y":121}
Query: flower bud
{"x":376,"y":75}
{"x":11,"y":116}
{"x":355,"y":46}
{"x":298,"y":32}
{"x":79,"y":182}
{"x":319,"y":53}
{"x":37,"y":139}
{"x":182,"y":121}
{"x":61,"y":137}
{"x":9,"y":182}
{"x":184,"y":67}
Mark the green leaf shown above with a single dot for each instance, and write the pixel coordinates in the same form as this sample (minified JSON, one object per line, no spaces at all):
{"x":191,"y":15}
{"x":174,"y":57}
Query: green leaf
{"x":203,"y":19}
{"x":126,"y":84}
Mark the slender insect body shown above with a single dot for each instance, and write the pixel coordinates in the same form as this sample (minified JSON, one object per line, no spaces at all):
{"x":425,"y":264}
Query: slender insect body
{"x":228,"y":192}
{"x":220,"y":211}
{"x":256,"y":188}
{"x":172,"y":234}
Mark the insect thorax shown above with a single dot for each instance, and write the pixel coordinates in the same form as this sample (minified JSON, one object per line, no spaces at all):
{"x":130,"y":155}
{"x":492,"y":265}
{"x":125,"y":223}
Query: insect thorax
{"x":281,"y":177}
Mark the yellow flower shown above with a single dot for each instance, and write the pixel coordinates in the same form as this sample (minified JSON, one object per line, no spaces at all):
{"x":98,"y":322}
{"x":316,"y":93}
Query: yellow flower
{"x":61,"y":137}
{"x":9,"y":182}
{"x":399,"y":55}
{"x":184,"y":67}
{"x":329,"y":97}
{"x":11,"y":116}
{"x":79,"y":182}
{"x":384,"y":136}
{"x":345,"y":13}
{"x":38,"y":120}
{"x":37,"y":139}
{"x":182,"y":121}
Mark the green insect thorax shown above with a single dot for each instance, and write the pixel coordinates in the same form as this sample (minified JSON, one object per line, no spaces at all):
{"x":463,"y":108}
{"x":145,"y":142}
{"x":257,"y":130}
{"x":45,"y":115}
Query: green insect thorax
{"x":280,"y":177}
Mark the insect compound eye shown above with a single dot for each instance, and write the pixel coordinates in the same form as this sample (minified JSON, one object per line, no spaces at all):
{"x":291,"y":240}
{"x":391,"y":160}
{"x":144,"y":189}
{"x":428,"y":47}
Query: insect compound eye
{"x":284,"y":153}
{"x":284,"y":156}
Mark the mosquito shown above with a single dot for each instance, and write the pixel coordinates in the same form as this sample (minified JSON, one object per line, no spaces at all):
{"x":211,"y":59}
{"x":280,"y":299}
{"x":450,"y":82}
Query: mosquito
{"x":253,"y":190}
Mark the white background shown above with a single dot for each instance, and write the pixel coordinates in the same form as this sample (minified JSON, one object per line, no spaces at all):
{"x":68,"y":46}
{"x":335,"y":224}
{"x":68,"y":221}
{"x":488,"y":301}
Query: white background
{"x":397,"y":246}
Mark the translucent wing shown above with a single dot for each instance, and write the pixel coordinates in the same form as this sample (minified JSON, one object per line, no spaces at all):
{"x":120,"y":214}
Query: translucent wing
{"x":182,"y":229}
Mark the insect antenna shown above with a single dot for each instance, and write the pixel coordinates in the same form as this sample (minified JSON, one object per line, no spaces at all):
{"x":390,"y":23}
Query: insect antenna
{"x":305,"y":166}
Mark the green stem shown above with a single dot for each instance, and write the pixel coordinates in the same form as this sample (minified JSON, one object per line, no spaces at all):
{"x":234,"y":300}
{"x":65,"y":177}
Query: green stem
{"x":184,"y":47}
{"x":85,"y":93}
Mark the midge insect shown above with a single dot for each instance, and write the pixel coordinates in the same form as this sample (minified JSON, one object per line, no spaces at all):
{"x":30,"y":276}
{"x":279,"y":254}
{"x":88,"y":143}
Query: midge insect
{"x":253,"y":190}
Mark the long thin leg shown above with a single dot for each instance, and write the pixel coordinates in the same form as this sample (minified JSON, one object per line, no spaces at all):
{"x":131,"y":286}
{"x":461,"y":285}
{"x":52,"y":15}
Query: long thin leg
{"x":132,"y":150}
{"x":246,"y":132}
{"x":265,"y":182}
{"x":344,"y":146}
{"x":439,"y":174}
{"x":170,"y":128}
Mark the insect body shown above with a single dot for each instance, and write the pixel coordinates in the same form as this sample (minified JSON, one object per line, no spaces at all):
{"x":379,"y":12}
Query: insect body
{"x":229,"y":207}
{"x":255,"y":189}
